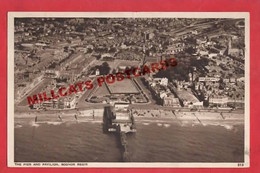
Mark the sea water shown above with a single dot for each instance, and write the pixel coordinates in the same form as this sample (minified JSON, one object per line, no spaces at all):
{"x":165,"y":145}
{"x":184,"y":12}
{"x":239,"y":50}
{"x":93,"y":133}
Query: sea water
{"x":153,"y":142}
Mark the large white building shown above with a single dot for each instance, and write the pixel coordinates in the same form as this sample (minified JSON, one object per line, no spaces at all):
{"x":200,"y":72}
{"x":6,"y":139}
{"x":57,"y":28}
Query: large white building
{"x":161,"y":81}
{"x":219,"y":101}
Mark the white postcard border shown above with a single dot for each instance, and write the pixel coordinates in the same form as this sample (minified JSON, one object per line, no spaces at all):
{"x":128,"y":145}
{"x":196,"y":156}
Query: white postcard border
{"x":10,"y":86}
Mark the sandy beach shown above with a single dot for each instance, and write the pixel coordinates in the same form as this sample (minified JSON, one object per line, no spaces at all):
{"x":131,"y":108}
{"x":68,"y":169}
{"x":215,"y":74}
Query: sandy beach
{"x":140,"y":115}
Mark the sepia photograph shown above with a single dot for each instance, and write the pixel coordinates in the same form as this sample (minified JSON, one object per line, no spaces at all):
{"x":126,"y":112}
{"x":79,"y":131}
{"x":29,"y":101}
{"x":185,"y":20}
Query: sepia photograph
{"x":120,"y":89}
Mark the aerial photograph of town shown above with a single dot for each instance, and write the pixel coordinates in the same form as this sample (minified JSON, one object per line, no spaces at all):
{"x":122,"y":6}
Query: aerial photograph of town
{"x":129,"y":90}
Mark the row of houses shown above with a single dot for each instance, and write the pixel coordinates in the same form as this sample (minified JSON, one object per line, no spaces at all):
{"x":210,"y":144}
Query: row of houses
{"x":160,"y":91}
{"x":61,"y":103}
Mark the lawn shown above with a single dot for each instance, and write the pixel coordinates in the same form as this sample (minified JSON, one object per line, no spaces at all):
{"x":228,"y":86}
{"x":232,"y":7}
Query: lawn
{"x":125,"y":86}
{"x":101,"y":91}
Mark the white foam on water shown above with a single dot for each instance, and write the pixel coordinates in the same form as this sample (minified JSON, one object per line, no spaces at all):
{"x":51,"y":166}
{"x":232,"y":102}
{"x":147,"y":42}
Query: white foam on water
{"x":54,"y":123}
{"x":159,"y":124}
{"x":205,"y":124}
{"x":82,"y":121}
{"x":95,"y":121}
{"x":228,"y":127}
{"x":166,"y":125}
{"x":146,"y":124}
{"x":70,"y":123}
{"x":183,"y":124}
{"x":32,"y":123}
{"x":18,"y":126}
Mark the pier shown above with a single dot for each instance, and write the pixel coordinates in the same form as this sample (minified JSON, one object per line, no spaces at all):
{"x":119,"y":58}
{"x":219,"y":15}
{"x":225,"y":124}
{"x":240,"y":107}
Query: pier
{"x":119,"y":119}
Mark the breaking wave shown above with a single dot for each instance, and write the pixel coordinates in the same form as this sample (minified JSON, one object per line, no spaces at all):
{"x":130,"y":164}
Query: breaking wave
{"x":159,"y":124}
{"x":166,"y":125}
{"x":32,"y":123}
{"x":228,"y":127}
{"x":18,"y":126}
{"x":54,"y":123}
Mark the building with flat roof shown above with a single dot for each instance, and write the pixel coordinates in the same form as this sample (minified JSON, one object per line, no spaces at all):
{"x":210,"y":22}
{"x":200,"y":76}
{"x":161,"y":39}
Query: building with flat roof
{"x":209,"y":79}
{"x":186,"y":97}
{"x":218,"y":101}
{"x":171,"y":101}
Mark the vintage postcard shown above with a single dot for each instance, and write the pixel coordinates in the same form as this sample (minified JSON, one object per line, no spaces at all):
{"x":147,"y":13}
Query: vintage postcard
{"x":128,"y":89}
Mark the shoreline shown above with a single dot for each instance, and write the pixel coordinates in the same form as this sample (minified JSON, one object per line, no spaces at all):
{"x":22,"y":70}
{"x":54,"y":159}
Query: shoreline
{"x":148,"y":121}
{"x":140,"y":115}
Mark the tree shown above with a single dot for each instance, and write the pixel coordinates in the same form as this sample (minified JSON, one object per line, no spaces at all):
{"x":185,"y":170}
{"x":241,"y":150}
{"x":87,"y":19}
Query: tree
{"x":104,"y":68}
{"x":190,"y":50}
